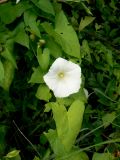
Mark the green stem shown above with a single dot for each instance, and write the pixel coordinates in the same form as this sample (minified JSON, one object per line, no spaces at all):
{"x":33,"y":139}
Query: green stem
{"x":102,"y":143}
{"x":87,"y":148}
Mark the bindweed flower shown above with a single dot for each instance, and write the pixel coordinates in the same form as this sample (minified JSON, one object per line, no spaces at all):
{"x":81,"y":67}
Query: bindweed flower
{"x":63,"y":78}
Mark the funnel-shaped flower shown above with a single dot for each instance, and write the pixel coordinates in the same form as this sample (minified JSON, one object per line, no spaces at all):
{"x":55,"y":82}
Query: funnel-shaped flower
{"x":64,"y":78}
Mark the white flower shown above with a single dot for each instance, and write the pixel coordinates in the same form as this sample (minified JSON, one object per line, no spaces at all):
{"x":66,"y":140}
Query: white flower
{"x":17,"y":1}
{"x":63,"y":78}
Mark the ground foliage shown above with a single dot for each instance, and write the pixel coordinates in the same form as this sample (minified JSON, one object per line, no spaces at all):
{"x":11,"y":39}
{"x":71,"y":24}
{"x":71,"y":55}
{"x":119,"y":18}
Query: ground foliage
{"x":32,"y":35}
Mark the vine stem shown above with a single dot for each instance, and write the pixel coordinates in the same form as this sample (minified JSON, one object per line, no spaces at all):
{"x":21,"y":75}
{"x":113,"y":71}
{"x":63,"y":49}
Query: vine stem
{"x":26,"y":138}
{"x":88,"y":148}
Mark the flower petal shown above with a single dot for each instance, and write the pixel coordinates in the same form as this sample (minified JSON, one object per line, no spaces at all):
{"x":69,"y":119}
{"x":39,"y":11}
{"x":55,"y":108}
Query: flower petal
{"x":66,"y":88}
{"x":69,"y":84}
{"x":50,"y":80}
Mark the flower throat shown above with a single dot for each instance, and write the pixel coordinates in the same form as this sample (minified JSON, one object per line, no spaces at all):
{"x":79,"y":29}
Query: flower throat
{"x":61,"y":75}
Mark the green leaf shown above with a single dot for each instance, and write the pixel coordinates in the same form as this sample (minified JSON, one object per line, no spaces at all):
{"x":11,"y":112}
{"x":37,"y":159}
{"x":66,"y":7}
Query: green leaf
{"x":55,"y":142}
{"x":105,"y":156}
{"x":51,"y":32}
{"x":8,"y":75}
{"x":70,"y":42}
{"x":36,"y":158}
{"x":55,"y":136}
{"x":8,"y":56}
{"x":108,"y":119}
{"x":30,"y":20}
{"x":112,"y":5}
{"x":100,"y":4}
{"x":109,"y":57}
{"x":37,"y":76}
{"x":67,"y":101}
{"x":85,"y":51}
{"x":71,"y":120}
{"x":43,"y":139}
{"x":80,"y":95}
{"x":43,"y":58}
{"x":64,"y":35}
{"x":74,"y":154}
{"x":86,"y":8}
{"x":43,"y":93}
{"x":55,"y":49}
{"x":14,"y":11}
{"x":12,"y":154}
{"x":85,"y":22}
{"x":68,"y":124}
{"x":48,"y":106}
{"x":103,"y":94}
{"x":75,"y":117}
{"x":20,"y":35}
{"x":44,"y":5}
{"x":1,"y":71}
{"x":82,"y":156}
{"x":58,"y":112}
{"x":47,"y":154}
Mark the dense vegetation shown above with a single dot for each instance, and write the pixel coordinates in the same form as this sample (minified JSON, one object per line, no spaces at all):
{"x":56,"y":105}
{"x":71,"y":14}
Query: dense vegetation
{"x":33,"y":34}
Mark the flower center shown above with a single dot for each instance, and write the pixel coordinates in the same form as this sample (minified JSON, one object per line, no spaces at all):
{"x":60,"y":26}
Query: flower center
{"x":60,"y":74}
